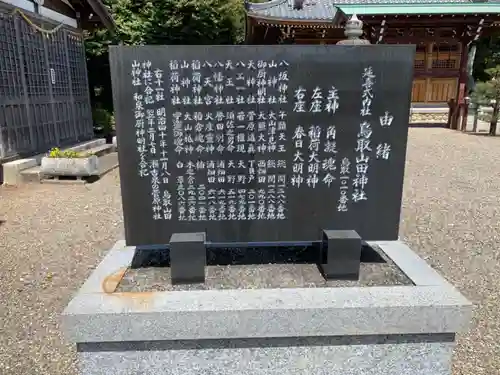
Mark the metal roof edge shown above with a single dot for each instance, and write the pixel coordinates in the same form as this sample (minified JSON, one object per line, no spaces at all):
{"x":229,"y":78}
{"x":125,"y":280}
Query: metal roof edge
{"x":319,"y":21}
{"x":262,"y":6}
{"x":443,"y":8}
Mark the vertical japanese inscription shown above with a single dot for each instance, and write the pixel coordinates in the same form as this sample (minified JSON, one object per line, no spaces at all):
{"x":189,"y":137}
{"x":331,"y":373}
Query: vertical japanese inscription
{"x":223,"y":145}
{"x":139,"y":114}
{"x":150,"y":131}
{"x":329,"y":166}
{"x":315,"y":146}
{"x":345,"y":170}
{"x":384,"y":149}
{"x":363,"y":147}
{"x":228,"y":131}
{"x":216,"y":137}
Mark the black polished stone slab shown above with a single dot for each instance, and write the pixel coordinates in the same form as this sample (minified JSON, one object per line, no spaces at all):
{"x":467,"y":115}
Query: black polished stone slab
{"x":188,"y":258}
{"x":309,"y":208}
{"x":342,"y":249}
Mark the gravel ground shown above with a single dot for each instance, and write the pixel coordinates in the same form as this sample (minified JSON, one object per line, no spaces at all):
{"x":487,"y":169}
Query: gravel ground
{"x":52,"y":236}
{"x":451,"y":217}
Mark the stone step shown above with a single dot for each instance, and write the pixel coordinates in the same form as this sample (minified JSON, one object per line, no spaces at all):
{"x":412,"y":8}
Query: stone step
{"x":30,"y":175}
{"x":101,"y":149}
{"x":107,"y":162}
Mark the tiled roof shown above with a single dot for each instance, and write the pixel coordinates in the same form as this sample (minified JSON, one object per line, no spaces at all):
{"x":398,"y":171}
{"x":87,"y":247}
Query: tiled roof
{"x":283,"y":9}
{"x":322,"y":10}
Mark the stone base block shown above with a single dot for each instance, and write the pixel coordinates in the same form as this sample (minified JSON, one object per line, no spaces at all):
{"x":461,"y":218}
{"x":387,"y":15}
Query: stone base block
{"x":12,"y":170}
{"x":392,"y":330}
{"x":312,"y":356}
{"x":70,"y":166}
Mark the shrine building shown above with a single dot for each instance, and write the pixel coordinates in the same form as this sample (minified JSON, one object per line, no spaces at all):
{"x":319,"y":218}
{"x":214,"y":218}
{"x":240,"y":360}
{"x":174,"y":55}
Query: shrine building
{"x":44,"y":90}
{"x":443,"y":31}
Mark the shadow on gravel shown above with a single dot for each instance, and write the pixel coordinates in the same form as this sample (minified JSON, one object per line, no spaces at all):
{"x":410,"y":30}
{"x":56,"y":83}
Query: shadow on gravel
{"x":159,"y":256}
{"x":426,"y":125}
{"x":482,"y":134}
{"x":2,"y":222}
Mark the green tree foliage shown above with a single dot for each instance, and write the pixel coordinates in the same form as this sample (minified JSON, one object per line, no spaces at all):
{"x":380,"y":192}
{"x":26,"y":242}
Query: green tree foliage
{"x":160,"y":22}
{"x":171,"y":22}
{"x":487,"y":56}
{"x":488,"y":93}
{"x":193,"y":22}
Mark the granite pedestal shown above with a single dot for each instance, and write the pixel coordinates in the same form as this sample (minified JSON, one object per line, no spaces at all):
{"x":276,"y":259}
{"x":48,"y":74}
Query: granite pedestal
{"x":390,"y":330}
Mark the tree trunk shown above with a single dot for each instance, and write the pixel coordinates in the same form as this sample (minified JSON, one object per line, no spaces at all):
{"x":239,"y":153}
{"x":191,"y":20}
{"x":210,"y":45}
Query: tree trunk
{"x":494,"y":118}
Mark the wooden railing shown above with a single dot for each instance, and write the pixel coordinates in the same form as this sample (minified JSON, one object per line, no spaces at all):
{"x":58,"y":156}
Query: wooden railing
{"x":438,"y":61}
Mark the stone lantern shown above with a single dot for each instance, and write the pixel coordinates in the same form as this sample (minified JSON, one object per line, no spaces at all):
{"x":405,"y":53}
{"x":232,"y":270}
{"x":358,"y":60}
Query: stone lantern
{"x":353,"y":29}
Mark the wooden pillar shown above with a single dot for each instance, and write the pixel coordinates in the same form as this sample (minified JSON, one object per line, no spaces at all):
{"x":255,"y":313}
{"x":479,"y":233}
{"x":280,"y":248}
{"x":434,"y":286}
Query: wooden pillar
{"x":462,"y":78}
{"x":428,"y":68}
{"x":249,"y":30}
{"x":461,"y":86}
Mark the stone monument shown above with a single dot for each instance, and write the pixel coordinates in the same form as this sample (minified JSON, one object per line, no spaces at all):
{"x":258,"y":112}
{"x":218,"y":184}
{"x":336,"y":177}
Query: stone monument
{"x":261,"y":190}
{"x":248,"y":151}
